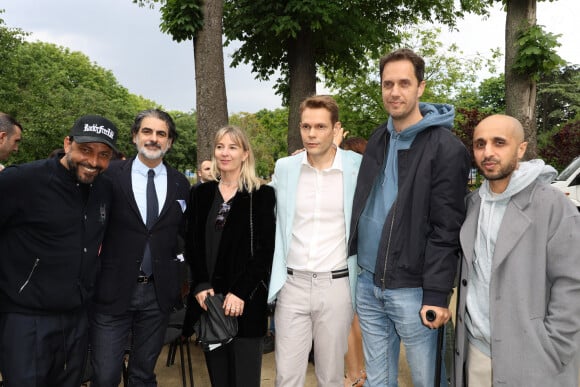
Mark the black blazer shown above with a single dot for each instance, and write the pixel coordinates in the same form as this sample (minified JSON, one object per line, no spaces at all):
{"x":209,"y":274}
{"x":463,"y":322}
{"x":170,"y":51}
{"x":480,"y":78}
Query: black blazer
{"x":125,"y":239}
{"x":236,"y":270}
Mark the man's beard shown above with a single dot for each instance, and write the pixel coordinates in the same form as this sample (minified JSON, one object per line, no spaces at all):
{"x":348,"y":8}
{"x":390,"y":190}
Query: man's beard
{"x":74,"y":168}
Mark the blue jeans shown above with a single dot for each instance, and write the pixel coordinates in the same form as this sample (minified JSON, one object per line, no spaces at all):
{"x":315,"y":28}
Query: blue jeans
{"x":388,"y":317}
{"x":141,"y":329}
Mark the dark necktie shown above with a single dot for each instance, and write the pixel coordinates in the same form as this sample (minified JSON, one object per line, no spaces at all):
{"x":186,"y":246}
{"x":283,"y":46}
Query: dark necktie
{"x":152,"y":214}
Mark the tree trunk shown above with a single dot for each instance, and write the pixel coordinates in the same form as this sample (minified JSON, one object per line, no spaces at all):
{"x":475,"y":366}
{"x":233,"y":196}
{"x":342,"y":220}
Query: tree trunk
{"x":302,"y":82}
{"x":210,"y":86}
{"x":520,"y":89}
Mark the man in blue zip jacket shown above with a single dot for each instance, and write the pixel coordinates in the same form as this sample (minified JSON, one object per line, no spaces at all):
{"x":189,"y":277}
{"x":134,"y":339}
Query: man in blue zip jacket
{"x":407,"y":212}
{"x":53,"y":215}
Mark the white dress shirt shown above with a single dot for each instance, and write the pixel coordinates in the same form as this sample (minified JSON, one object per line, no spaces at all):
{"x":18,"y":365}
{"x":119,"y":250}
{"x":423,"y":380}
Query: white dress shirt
{"x":319,"y":234}
{"x":139,"y":177}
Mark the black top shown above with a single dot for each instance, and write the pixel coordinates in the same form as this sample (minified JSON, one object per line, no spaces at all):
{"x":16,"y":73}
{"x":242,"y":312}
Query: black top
{"x":51,"y":227}
{"x":236,"y":270}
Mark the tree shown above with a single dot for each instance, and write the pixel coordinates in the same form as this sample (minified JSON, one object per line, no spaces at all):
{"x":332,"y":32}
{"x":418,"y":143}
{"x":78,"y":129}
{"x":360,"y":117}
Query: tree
{"x":529,"y":53}
{"x":201,"y":22}
{"x":298,"y":37}
{"x":558,"y":98}
{"x":449,"y":75}
{"x":52,"y":87}
{"x":267,"y":133}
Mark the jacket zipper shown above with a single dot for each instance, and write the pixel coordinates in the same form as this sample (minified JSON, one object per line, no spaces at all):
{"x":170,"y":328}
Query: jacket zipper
{"x":29,"y":275}
{"x":383,"y":279}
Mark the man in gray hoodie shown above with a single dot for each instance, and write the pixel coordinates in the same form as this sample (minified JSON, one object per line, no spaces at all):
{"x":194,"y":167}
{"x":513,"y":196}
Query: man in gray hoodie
{"x":517,"y":316}
{"x":407,"y":211}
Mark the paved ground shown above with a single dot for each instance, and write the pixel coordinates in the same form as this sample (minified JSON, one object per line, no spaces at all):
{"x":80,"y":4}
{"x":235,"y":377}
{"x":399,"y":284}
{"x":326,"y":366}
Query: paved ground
{"x":171,"y":376}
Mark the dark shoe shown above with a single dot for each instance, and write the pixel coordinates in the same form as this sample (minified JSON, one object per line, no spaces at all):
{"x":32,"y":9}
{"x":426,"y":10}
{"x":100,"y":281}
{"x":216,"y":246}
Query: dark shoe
{"x":268,"y":344}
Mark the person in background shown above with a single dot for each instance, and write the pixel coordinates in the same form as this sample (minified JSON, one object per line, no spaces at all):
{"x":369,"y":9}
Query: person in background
{"x":53,"y":216}
{"x":520,"y":272}
{"x":10,"y":136}
{"x":204,"y":172}
{"x":407,"y":212}
{"x":229,"y":247}
{"x":311,"y":270}
{"x":138,"y":285}
{"x":354,"y":359}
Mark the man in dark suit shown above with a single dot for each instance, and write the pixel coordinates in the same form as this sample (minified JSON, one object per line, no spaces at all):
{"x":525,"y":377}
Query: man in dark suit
{"x":138,"y":285}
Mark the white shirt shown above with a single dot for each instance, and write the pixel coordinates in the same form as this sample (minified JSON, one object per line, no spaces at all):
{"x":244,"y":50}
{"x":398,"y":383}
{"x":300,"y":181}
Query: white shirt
{"x":319,"y":234}
{"x":139,"y":178}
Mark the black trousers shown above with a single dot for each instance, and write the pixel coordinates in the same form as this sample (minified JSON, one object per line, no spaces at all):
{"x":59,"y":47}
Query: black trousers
{"x":43,"y":350}
{"x":236,"y":364}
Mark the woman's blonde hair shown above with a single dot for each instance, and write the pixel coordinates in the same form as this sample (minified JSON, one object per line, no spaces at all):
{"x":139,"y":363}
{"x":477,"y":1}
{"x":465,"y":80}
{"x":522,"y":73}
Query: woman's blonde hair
{"x":248,"y":178}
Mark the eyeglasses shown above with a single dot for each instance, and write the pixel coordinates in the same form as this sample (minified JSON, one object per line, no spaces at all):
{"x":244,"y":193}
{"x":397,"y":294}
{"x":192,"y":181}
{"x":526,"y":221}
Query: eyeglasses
{"x":222,"y":215}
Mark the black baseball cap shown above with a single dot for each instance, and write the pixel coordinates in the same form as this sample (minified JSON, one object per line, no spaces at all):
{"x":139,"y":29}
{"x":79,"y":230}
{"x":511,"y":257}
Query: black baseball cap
{"x":94,"y":128}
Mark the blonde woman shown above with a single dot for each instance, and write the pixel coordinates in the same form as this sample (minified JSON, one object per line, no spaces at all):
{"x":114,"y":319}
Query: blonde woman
{"x":229,"y":247}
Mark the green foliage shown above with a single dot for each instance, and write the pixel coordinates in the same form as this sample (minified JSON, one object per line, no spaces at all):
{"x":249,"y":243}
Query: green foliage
{"x":537,"y":52}
{"x":449,"y":75}
{"x":342,"y":32}
{"x":267,"y":133}
{"x":183,"y":154}
{"x":182,"y":19}
{"x":47,"y":87}
{"x":558,"y":97}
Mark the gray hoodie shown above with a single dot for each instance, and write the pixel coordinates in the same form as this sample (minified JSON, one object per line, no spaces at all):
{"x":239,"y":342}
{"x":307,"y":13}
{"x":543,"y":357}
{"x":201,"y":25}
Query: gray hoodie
{"x":491,"y":213}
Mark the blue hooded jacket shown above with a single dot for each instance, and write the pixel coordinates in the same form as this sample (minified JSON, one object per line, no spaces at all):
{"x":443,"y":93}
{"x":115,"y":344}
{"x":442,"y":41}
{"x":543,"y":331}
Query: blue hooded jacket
{"x":385,"y":187}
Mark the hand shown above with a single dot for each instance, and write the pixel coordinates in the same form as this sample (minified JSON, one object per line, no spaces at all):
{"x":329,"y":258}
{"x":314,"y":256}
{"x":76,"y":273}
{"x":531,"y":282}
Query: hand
{"x":339,"y":136}
{"x":233,"y":305}
{"x":201,"y":296}
{"x":442,"y":315}
{"x":298,"y":151}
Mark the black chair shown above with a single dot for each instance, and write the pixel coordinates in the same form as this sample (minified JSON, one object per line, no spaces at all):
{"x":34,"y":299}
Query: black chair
{"x":175,"y":341}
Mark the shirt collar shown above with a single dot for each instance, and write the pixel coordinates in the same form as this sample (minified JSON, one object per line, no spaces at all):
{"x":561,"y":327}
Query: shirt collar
{"x":336,"y":163}
{"x":143,"y":169}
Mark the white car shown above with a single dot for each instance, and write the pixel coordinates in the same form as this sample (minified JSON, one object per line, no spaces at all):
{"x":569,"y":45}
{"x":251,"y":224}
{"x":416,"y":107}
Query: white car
{"x":569,"y":181}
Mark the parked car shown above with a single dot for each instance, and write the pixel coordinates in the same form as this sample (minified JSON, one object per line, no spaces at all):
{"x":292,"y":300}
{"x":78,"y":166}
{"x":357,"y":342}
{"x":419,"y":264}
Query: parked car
{"x":569,"y":181}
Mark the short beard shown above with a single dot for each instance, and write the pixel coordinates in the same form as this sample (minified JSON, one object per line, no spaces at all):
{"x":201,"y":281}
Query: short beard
{"x":503,"y":172}
{"x":74,"y":169}
{"x":152,"y":155}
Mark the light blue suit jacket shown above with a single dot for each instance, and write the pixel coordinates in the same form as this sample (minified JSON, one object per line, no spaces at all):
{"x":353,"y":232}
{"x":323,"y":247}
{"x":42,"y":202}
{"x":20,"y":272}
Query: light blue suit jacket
{"x":285,"y":182}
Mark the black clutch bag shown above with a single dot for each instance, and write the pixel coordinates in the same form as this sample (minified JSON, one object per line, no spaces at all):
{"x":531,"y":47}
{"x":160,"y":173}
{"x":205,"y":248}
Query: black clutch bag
{"x":213,"y":326}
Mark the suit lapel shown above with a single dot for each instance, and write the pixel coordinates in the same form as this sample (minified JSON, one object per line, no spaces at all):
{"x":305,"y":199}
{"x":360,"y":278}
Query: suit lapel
{"x":469,"y":228}
{"x":349,"y":173}
{"x":514,"y":224}
{"x":291,"y":185}
{"x":125,"y":182}
{"x":171,"y":191}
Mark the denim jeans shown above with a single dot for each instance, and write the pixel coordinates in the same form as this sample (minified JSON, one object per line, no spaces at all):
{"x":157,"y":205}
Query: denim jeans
{"x":388,"y":317}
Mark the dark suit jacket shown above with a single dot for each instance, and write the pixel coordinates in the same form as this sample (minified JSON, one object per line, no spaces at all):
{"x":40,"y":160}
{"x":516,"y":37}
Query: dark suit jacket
{"x":236,"y":270}
{"x":125,"y":239}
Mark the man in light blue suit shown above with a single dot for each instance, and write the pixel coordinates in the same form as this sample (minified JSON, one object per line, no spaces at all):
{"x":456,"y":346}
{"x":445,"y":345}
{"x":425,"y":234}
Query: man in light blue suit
{"x":313,"y":279}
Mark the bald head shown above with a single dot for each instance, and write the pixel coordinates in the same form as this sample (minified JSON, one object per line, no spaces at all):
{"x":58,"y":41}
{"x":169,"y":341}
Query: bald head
{"x":509,"y":124}
{"x":498,"y":145}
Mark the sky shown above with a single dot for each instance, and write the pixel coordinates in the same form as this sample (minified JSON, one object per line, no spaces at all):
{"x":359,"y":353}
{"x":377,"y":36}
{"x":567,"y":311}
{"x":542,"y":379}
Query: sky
{"x":124,"y":38}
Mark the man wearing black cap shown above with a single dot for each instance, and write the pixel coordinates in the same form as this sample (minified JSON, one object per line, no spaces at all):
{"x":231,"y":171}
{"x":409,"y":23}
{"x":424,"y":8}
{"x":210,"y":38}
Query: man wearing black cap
{"x":52,"y":220}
